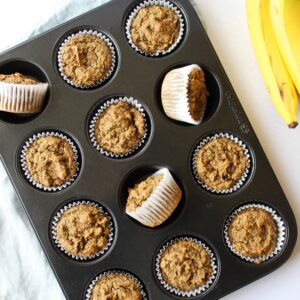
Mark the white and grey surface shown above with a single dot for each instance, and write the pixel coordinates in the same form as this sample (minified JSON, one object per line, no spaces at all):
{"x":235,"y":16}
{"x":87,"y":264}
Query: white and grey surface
{"x":24,"y":271}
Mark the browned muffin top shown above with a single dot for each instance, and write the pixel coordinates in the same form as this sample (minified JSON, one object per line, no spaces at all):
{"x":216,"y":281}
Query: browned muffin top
{"x":86,"y":59}
{"x":155,"y":28}
{"x":83,"y":230}
{"x":120,"y":128}
{"x":253,"y":233}
{"x":197,"y":94}
{"x":221,"y":163}
{"x":116,"y":287}
{"x":185,"y":265}
{"x":17,"y":78}
{"x":141,"y":192}
{"x":51,"y":161}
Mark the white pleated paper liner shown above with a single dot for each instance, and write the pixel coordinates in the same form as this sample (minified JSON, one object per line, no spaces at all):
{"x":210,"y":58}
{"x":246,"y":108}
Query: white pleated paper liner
{"x":164,"y":3}
{"x":281,"y":238}
{"x":174,"y":95}
{"x":104,"y":38}
{"x":78,"y":257}
{"x":243,"y":178}
{"x":26,"y":172}
{"x":120,"y":272}
{"x":22,"y":98}
{"x":92,"y":124}
{"x":161,"y":203}
{"x":201,"y":289}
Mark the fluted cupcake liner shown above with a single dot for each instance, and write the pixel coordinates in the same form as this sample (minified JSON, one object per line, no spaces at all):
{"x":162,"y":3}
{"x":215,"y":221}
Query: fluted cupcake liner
{"x":174,"y":95}
{"x":26,"y":172}
{"x":131,"y":101}
{"x":161,"y":203}
{"x":112,"y":272}
{"x":201,"y":289}
{"x":71,"y":255}
{"x":22,"y":98}
{"x":104,"y":38}
{"x":164,"y":3}
{"x":281,"y":238}
{"x":243,"y":178}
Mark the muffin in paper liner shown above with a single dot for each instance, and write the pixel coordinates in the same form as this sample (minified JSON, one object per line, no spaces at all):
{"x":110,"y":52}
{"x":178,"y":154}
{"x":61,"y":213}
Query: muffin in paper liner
{"x":71,"y":255}
{"x":22,"y":98}
{"x":162,"y":202}
{"x":26,"y":172}
{"x":175,"y":98}
{"x":131,"y":101}
{"x":112,"y":272}
{"x":201,"y":289}
{"x":281,"y":238}
{"x":243,"y":178}
{"x":104,"y":38}
{"x":163,"y":3}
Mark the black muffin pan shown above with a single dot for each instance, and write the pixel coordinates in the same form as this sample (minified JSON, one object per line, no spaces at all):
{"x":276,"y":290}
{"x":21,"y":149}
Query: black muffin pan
{"x":170,"y":144}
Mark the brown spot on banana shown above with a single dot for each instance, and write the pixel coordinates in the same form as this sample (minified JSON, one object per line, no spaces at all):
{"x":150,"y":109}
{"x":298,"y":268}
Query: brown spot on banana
{"x":293,"y":125}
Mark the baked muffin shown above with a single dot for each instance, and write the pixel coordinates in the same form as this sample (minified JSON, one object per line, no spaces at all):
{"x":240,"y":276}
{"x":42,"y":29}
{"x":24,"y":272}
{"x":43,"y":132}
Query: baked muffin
{"x":120,"y":128}
{"x":184,"y":94}
{"x":220,"y":163}
{"x":253,"y":233}
{"x":83,"y":230}
{"x":116,"y":286}
{"x":153,"y":200}
{"x":186,"y":265}
{"x":50,"y":161}
{"x":21,"y":94}
{"x":155,"y":29}
{"x":85,"y":60}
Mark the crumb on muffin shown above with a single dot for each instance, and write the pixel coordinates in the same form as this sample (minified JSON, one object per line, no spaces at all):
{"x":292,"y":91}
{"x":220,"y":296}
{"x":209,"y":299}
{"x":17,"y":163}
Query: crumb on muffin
{"x":83,"y":230}
{"x":155,"y":28}
{"x":185,"y":265}
{"x":120,"y":128}
{"x":50,"y":161}
{"x":86,"y":59}
{"x":221,"y":163}
{"x":253,"y":233}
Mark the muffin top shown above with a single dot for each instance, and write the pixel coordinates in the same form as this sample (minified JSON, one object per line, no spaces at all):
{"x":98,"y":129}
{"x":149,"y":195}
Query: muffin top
{"x":185,"y":265}
{"x":221,"y":163}
{"x":116,"y":287}
{"x":86,"y":59}
{"x":50,"y":161}
{"x":155,"y":28}
{"x":17,"y":78}
{"x":83,"y":230}
{"x":197,"y":94}
{"x":253,"y":233}
{"x":141,"y":192}
{"x":120,"y":128}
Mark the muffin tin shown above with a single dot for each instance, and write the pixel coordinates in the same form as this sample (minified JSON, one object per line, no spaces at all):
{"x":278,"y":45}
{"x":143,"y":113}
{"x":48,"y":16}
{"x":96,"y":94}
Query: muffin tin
{"x":104,"y":180}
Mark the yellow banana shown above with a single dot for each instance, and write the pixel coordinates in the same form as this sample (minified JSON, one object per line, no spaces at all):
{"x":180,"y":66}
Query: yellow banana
{"x":285,"y":16}
{"x":276,"y":77}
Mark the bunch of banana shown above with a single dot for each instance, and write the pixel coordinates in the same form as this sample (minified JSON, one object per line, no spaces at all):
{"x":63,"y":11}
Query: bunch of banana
{"x":275,"y":33}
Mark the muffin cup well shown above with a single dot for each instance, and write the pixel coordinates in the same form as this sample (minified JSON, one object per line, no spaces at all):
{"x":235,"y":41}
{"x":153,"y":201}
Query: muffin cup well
{"x":164,"y":3}
{"x":174,"y":95}
{"x":280,"y":239}
{"x":26,"y":172}
{"x":107,"y":41}
{"x":243,"y":178}
{"x":98,"y":114}
{"x":111,"y":272}
{"x":71,"y":255}
{"x":22,"y":98}
{"x":162,"y":202}
{"x":201,"y":289}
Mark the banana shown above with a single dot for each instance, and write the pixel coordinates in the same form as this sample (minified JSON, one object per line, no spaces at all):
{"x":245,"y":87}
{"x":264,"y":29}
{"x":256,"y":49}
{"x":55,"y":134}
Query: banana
{"x":285,"y":16}
{"x":276,"y":77}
